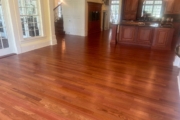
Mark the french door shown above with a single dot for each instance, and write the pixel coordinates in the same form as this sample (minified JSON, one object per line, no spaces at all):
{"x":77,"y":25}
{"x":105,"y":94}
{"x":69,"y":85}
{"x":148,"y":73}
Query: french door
{"x":5,"y":44}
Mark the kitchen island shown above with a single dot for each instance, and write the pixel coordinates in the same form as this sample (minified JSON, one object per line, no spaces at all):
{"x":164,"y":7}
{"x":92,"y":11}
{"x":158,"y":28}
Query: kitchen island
{"x":147,"y":34}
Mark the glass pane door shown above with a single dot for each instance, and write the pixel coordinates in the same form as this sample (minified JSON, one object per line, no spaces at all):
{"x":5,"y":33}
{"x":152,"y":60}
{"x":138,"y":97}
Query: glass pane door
{"x":4,"y":41}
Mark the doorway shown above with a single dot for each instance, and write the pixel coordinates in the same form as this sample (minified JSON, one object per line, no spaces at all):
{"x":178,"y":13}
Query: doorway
{"x":105,"y":20}
{"x":6,"y":46}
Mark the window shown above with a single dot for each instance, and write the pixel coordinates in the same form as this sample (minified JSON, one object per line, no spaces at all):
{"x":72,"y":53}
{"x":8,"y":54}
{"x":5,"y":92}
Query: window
{"x":30,"y":18}
{"x":114,"y":11}
{"x":152,"y":7}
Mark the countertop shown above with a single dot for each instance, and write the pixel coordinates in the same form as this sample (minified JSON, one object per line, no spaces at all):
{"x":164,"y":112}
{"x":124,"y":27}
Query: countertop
{"x":146,"y":24}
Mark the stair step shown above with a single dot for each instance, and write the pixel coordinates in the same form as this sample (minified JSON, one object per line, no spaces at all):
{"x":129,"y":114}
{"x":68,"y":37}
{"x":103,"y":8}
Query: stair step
{"x":59,"y":21}
{"x":58,"y":24}
{"x":57,"y":31}
{"x":59,"y":28}
{"x":60,"y":33}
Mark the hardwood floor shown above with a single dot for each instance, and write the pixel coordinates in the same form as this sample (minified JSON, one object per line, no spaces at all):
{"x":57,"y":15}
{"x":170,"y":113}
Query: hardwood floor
{"x":89,"y":79}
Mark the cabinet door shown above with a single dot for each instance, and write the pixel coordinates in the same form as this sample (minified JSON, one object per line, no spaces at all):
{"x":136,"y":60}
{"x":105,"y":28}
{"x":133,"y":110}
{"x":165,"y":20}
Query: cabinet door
{"x":127,"y":34}
{"x":162,"y":38}
{"x":144,"y":35}
{"x":169,"y":6}
{"x":134,"y":5}
{"x":129,"y":16}
{"x":176,"y":7}
{"x":127,"y":5}
{"x":130,"y":9}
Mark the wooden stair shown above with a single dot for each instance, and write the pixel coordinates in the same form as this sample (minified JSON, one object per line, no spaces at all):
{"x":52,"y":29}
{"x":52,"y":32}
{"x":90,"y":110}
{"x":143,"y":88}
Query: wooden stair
{"x":59,"y":28}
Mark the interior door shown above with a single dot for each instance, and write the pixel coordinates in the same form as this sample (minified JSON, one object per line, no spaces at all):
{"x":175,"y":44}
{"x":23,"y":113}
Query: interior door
{"x":5,"y":45}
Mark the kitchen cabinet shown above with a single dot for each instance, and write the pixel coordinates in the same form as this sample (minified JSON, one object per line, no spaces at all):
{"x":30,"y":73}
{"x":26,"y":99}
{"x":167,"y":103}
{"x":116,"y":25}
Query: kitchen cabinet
{"x":130,"y":9}
{"x":176,"y":9}
{"x":169,"y":6}
{"x":144,"y":36}
{"x":155,"y":37}
{"x":162,"y":38}
{"x":172,"y":7}
{"x":127,"y":34}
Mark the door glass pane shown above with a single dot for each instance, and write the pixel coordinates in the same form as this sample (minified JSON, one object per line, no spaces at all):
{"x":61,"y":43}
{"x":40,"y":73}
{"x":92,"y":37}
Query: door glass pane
{"x":5,"y":43}
{"x":1,"y":44}
{"x":3,"y":35}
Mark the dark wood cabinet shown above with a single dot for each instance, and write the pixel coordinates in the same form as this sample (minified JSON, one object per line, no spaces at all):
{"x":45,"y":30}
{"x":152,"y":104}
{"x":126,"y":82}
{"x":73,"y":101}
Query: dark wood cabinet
{"x":144,"y":35}
{"x":154,"y":37}
{"x":172,"y":7}
{"x":94,"y":17}
{"x":169,"y":6}
{"x":127,"y":34}
{"x":162,"y":38}
{"x":130,"y":9}
{"x":176,"y":9}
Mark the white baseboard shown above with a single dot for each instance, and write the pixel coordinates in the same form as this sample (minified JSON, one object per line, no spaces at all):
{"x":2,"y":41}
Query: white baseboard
{"x":34,"y":46}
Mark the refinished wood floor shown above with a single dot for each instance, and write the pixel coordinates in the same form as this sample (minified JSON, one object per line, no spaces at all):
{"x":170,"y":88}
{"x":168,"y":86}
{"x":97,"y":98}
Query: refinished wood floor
{"x":89,"y":79}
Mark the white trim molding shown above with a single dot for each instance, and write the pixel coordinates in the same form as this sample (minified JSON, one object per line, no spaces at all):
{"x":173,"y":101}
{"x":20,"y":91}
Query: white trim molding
{"x":53,"y":40}
{"x":34,"y":46}
{"x":178,"y":80}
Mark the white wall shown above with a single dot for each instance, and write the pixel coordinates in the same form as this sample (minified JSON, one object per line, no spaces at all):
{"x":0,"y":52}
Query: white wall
{"x":73,"y":15}
{"x":49,"y":38}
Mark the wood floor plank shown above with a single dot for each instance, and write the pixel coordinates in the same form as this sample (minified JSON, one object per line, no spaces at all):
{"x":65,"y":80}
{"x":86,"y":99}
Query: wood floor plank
{"x":87,"y":78}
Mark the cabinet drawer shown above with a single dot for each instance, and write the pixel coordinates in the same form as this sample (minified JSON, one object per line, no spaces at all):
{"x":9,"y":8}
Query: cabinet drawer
{"x":127,"y":34}
{"x":144,"y":35}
